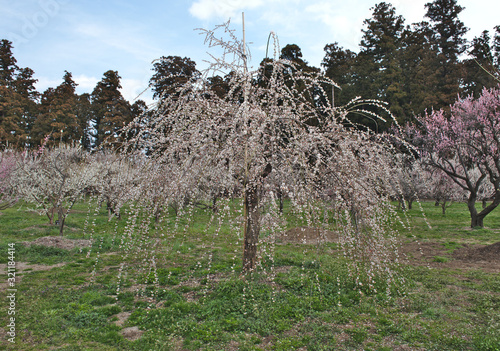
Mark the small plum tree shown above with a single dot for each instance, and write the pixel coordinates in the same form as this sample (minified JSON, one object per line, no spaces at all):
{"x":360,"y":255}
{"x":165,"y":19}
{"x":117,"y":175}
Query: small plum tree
{"x":54,"y":180}
{"x":443,"y":190}
{"x":410,"y":181}
{"x":118,"y":179}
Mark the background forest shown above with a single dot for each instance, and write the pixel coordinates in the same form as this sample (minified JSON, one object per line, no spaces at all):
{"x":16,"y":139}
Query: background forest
{"x":414,"y":68}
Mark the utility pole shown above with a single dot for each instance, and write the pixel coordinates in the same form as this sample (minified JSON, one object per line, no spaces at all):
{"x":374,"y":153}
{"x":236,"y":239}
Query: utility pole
{"x":244,"y":43}
{"x":333,"y":96}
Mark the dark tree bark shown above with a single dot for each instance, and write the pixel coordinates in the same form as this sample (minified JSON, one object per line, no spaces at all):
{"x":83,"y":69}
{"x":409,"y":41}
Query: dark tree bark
{"x":477,"y":218}
{"x":252,"y":228}
{"x":62,"y":219}
{"x":252,"y":195}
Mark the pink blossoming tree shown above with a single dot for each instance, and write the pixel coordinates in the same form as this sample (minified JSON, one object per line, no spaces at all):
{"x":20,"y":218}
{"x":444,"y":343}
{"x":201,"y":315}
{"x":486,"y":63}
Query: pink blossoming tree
{"x":466,"y":147}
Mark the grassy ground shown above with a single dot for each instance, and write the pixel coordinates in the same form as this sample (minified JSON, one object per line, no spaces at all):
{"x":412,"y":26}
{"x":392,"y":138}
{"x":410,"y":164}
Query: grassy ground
{"x":111,"y":296}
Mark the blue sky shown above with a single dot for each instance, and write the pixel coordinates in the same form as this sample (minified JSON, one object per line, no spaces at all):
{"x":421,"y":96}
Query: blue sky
{"x":87,"y":38}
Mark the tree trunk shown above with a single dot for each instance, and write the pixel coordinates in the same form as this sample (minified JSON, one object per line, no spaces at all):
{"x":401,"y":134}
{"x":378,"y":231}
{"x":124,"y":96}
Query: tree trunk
{"x":401,"y":204}
{"x":471,"y":204}
{"x":251,"y":212}
{"x":50,"y":216}
{"x":251,"y":229}
{"x":215,"y":209}
{"x":478,"y":218}
{"x":279,"y":194}
{"x":109,"y":207}
{"x":477,"y":221}
{"x":61,"y":219}
{"x":443,"y":206}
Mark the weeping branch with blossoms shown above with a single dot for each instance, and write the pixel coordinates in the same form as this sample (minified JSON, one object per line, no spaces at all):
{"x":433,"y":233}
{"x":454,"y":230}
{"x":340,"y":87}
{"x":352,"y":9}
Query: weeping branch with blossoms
{"x":273,"y":131}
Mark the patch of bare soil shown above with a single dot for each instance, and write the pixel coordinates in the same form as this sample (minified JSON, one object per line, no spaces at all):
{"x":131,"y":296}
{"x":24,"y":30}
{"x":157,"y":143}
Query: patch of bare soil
{"x":488,"y":253}
{"x":132,"y":333}
{"x":306,"y":235}
{"x":59,"y":242}
{"x":434,"y":254}
{"x":122,"y":318}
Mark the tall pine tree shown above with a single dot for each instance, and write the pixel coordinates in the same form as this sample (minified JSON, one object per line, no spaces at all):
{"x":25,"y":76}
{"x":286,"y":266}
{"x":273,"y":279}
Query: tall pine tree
{"x":110,"y":111}
{"x":480,"y":66}
{"x":449,"y":43}
{"x":338,"y":65}
{"x":18,"y":98}
{"x":420,"y":76}
{"x":170,"y":73}
{"x":378,"y":73}
{"x":57,"y":115}
{"x":83,"y":110}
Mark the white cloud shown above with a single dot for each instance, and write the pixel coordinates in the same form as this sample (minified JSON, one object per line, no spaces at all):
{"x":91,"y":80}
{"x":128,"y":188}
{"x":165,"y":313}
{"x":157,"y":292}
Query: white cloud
{"x":115,"y":37}
{"x":85,"y":83}
{"x":133,"y":89}
{"x":208,"y":9}
{"x":413,"y":11}
{"x":44,"y":83}
{"x":342,"y":20}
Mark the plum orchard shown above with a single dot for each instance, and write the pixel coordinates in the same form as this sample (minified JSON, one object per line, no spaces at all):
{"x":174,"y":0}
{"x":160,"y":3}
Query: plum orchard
{"x":272,"y":133}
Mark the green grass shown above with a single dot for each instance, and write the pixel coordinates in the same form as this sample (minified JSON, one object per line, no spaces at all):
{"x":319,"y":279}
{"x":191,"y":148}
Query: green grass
{"x":303,"y":298}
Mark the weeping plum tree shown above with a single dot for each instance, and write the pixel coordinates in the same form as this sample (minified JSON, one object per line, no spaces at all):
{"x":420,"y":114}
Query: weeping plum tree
{"x":271,"y":128}
{"x":466,"y":147}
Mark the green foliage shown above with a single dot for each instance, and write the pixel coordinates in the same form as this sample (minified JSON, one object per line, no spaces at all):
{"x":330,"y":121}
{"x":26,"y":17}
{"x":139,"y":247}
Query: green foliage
{"x":209,"y":308}
{"x":39,"y":254}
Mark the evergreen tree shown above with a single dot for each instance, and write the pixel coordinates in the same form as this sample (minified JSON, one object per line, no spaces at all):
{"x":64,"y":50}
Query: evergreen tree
{"x":450,"y":43}
{"x":293,"y":53}
{"x":338,"y":65}
{"x":8,"y":63}
{"x":83,"y":111}
{"x":218,"y":85}
{"x":57,"y":115}
{"x":138,"y":108}
{"x":419,"y":74}
{"x":479,"y":66}
{"x":110,"y":111}
{"x":496,"y":50}
{"x":378,"y":73}
{"x":140,"y":117}
{"x":28,"y":97}
{"x":170,"y":73}
{"x":17,"y":99}
{"x":295,"y":65}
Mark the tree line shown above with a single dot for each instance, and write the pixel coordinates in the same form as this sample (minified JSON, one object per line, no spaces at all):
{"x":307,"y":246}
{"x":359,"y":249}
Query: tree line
{"x":414,"y":68}
{"x":59,"y":114}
